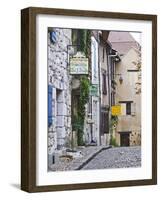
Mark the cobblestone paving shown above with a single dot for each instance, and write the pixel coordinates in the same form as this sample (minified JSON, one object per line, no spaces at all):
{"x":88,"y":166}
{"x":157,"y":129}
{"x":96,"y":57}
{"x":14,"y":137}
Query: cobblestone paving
{"x":75,"y":164}
{"x":118,"y":157}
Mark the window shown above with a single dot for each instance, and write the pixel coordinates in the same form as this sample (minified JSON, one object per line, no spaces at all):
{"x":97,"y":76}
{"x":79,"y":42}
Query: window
{"x":127,"y":107}
{"x":112,"y":69}
{"x":112,"y":98}
{"x":133,"y":70}
{"x":104,"y":121}
{"x":104,"y":84}
{"x":103,"y":56}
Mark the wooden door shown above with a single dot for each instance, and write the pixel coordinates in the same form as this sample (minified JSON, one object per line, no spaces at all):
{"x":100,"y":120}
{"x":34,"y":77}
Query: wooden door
{"x":125,"y":139}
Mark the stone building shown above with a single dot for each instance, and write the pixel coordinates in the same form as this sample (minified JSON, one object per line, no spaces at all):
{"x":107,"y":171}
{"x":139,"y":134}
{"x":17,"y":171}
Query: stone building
{"x":128,"y":88}
{"x":64,"y":92}
{"x":59,"y":90}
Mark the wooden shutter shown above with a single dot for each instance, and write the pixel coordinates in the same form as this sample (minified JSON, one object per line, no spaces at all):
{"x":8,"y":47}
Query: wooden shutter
{"x":133,"y":109}
{"x":104,"y":85}
{"x":123,"y":108}
{"x":128,"y":108}
{"x":104,"y":123}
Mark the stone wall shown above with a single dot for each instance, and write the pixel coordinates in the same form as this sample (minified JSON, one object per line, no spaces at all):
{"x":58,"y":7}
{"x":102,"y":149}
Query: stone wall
{"x":60,"y":80}
{"x":135,"y":138}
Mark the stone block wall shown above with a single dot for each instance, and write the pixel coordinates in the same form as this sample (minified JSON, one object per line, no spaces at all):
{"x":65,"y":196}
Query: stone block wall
{"x":135,"y":138}
{"x":60,"y":80}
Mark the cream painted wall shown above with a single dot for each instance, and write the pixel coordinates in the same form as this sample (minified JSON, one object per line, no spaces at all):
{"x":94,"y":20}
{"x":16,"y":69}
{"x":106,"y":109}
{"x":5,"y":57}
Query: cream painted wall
{"x":126,"y":91}
{"x":10,"y":99}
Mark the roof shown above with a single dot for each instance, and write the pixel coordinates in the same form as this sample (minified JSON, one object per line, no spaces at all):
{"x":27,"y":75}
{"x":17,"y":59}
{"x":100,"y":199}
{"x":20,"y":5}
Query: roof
{"x":122,"y":41}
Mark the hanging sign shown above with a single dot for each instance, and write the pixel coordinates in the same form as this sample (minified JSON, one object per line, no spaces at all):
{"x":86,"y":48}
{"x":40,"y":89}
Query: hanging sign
{"x":116,"y":110}
{"x":93,"y":90}
{"x":78,"y":65}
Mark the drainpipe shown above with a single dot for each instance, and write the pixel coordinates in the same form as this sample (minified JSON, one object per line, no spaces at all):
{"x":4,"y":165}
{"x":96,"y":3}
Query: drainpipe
{"x":99,"y":100}
{"x":109,"y":80}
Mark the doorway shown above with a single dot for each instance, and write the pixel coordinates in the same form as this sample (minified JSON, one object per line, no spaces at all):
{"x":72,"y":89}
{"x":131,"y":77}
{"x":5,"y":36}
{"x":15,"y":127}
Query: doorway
{"x":124,"y":139}
{"x":59,"y":117}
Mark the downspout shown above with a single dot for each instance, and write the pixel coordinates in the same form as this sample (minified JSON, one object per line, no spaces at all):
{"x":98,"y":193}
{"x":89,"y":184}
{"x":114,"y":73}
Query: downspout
{"x":109,"y":73}
{"x":99,"y":101}
{"x":109,"y":90}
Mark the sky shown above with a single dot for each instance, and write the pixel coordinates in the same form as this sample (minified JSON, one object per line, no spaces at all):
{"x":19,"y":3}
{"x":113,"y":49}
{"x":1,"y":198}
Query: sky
{"x":136,"y":36}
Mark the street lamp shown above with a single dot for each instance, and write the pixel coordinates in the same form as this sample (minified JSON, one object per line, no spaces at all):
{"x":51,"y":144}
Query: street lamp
{"x":72,"y":50}
{"x":120,"y":79}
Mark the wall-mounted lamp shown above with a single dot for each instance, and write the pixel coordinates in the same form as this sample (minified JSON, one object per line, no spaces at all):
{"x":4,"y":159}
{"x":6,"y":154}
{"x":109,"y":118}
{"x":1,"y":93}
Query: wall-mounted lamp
{"x":72,"y":49}
{"x":120,"y":79}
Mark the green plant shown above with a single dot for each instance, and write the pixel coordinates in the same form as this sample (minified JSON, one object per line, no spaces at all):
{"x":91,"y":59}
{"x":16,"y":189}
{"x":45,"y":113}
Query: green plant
{"x":84,"y":41}
{"x":113,"y":122}
{"x":78,"y":119}
{"x":88,"y":43}
{"x":76,"y":123}
{"x":113,"y":141}
{"x":83,"y":37}
{"x":84,"y":97}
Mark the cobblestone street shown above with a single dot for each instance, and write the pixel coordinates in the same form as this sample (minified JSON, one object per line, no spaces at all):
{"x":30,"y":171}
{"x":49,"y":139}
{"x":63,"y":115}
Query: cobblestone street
{"x":118,"y":157}
{"x":99,"y":158}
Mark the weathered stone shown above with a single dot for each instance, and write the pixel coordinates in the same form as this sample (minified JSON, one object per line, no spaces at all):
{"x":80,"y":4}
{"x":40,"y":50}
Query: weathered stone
{"x":61,"y":133}
{"x":62,"y":109}
{"x":59,"y":77}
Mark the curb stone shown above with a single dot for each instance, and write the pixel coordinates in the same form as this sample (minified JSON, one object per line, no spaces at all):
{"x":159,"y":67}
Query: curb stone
{"x":91,"y":157}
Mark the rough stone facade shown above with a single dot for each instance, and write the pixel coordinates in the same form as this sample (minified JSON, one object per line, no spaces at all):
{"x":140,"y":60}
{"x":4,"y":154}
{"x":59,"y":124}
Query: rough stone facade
{"x":60,"y":80}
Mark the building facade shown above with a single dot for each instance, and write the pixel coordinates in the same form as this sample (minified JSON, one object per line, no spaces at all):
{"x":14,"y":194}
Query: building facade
{"x":128,"y":89}
{"x":89,"y":72}
{"x":64,"y":92}
{"x":59,"y":90}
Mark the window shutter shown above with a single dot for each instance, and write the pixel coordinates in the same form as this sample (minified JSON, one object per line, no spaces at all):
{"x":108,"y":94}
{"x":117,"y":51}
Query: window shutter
{"x":104,"y":121}
{"x":103,"y":56}
{"x":49,"y":105}
{"x":128,"y":108}
{"x":53,"y":37}
{"x":133,"y":109}
{"x":104,"y":85}
{"x":123,"y":108}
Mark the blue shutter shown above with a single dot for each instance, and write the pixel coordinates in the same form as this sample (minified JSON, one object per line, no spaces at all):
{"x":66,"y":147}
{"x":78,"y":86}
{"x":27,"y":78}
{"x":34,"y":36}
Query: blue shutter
{"x":53,"y":37}
{"x":49,"y":105}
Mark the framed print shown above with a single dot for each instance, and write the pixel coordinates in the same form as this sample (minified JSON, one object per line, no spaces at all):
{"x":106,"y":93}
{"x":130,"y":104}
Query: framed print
{"x":88,"y":99}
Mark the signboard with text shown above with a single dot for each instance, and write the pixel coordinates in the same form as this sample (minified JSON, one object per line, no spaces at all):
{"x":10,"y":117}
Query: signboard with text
{"x":79,"y":65}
